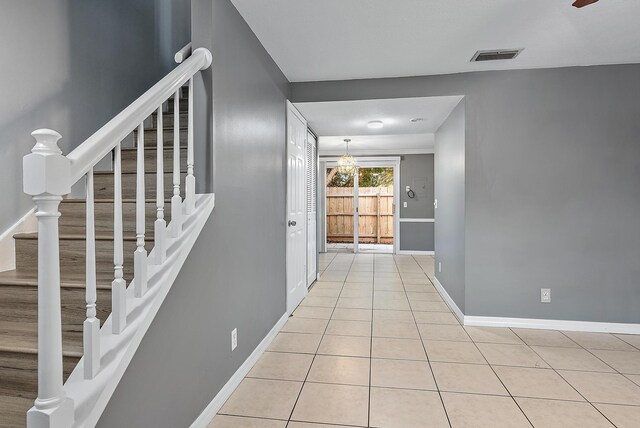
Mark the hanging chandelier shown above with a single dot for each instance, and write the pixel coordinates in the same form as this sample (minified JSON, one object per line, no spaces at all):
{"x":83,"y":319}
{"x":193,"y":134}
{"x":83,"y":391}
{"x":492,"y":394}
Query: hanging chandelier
{"x":347,"y":164}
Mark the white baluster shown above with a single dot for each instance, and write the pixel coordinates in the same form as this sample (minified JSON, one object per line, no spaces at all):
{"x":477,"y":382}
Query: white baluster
{"x":140,"y":255}
{"x":91,"y":326}
{"x":160,"y":225}
{"x":176,"y":199}
{"x":119,"y":285}
{"x":190,"y":181}
{"x":47,"y":177}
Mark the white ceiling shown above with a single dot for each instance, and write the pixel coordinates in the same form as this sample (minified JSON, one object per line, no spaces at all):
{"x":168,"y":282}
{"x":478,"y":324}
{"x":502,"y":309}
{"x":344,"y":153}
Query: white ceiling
{"x":351,"y":117}
{"x":377,"y":144}
{"x":338,"y":39}
{"x":336,"y":120}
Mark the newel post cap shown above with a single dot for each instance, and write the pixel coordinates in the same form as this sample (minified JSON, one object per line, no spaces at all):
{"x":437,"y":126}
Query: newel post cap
{"x":46,"y":170}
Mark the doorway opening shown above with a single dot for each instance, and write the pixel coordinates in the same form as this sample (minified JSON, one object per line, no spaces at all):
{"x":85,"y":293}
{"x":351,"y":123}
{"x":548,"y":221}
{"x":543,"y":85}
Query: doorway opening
{"x":360,"y":208}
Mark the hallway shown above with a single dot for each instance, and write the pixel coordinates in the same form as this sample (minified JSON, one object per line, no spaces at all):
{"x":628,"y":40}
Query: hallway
{"x":374,"y":345}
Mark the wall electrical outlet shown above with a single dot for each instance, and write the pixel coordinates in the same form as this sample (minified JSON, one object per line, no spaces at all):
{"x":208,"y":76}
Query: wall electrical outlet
{"x":545,"y":295}
{"x":234,"y":339}
{"x":405,"y":205}
{"x":439,"y":267}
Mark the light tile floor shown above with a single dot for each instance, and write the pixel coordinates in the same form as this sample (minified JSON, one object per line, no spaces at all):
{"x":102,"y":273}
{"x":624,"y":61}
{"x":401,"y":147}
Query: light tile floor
{"x":374,"y":345}
{"x":363,"y":248}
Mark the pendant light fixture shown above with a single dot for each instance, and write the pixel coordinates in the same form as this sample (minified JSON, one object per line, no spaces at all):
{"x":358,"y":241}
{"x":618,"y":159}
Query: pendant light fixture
{"x":346,"y":163}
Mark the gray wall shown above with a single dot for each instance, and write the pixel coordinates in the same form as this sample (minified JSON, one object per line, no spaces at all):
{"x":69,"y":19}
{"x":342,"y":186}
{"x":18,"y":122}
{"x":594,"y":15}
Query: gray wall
{"x":235,"y":274}
{"x":552,"y":165}
{"x":416,"y":171}
{"x":450,"y":214}
{"x":71,"y":65}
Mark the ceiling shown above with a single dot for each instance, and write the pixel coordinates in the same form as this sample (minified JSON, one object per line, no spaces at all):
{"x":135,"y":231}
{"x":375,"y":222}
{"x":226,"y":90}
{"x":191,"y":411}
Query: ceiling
{"x":337,"y":39}
{"x":334,"y":121}
{"x":377,"y":144}
{"x":351,"y":117}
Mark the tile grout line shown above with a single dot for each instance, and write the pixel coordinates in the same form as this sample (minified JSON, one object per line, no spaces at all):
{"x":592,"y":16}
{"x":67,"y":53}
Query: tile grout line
{"x":304,"y":382}
{"x":424,"y":348}
{"x":567,"y":382}
{"x":373,"y":291}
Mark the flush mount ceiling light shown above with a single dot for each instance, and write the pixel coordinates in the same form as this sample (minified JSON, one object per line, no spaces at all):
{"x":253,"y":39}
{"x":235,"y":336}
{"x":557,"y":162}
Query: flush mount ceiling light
{"x":375,"y":124}
{"x":347,"y":164}
{"x":417,"y":119}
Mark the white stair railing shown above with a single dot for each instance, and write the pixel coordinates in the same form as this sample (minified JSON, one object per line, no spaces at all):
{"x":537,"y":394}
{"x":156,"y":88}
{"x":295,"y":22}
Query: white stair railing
{"x":49,"y":175}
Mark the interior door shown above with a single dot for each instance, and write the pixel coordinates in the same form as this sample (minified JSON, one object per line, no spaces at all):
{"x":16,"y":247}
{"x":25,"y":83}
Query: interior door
{"x":296,"y":208}
{"x":312,"y":183}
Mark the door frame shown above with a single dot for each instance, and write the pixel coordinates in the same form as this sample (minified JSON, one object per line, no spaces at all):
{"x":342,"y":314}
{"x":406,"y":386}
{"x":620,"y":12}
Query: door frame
{"x":367,"y":162}
{"x":292,"y":108}
{"x":310,"y":231}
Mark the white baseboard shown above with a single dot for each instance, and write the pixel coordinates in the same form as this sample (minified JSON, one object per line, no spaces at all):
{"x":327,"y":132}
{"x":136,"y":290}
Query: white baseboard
{"x":448,"y":300}
{"x":212,"y":408}
{"x":416,"y":253}
{"x":27,"y":223}
{"x":541,"y":324}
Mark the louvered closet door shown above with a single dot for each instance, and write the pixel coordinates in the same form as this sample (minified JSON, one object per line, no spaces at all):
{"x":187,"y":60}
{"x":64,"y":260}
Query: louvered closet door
{"x":312,"y":185}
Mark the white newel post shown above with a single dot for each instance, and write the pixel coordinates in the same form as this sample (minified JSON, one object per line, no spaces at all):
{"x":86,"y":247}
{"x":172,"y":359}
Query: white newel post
{"x":47,"y":177}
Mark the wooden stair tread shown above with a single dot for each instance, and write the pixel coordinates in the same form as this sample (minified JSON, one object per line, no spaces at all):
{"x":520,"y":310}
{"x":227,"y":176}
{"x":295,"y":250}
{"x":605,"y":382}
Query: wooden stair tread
{"x":165,"y":147}
{"x":22,"y":337}
{"x":14,"y":411}
{"x":70,"y":280}
{"x":76,"y":236}
{"x":103,"y":173}
{"x":110,"y":201}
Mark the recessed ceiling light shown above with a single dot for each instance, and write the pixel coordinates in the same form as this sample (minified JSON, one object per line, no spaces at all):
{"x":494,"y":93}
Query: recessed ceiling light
{"x":375,"y":124}
{"x":417,"y":119}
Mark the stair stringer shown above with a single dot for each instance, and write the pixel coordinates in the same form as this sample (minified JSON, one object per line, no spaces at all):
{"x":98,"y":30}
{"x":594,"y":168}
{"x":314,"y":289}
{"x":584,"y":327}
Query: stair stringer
{"x":91,"y":396}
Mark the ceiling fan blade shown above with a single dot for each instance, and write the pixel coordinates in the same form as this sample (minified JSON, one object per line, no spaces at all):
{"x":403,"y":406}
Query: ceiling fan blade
{"x":583,"y":3}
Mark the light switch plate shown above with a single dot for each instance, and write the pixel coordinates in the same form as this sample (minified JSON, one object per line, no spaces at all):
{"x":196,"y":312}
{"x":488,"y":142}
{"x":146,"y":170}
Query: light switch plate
{"x":234,"y":339}
{"x":405,"y":205}
{"x":545,"y":295}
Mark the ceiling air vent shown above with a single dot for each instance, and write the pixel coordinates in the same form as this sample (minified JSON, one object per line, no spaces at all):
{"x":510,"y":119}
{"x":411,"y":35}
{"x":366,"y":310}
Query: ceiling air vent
{"x":495,"y":55}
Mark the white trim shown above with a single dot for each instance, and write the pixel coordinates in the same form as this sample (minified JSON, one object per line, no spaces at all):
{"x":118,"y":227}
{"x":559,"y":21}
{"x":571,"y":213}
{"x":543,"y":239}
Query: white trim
{"x":416,"y":253}
{"x":541,"y":324}
{"x":91,"y":397}
{"x":448,"y":300}
{"x":212,"y":408}
{"x":544,"y":324}
{"x":373,"y":162}
{"x":27,"y":223}
{"x":417,"y":220}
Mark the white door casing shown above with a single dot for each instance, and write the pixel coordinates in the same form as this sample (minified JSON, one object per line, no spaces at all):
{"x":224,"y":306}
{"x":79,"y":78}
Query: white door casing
{"x":296,"y":208}
{"x":356,"y":210}
{"x":368,"y":162}
{"x":312,"y":180}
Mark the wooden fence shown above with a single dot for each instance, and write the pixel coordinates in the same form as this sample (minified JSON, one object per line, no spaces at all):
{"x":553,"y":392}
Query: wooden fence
{"x":375,"y":216}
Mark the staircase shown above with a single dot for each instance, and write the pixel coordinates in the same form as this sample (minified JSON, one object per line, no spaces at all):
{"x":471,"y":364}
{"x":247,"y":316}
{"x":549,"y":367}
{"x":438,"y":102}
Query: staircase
{"x":80,"y":293}
{"x":18,"y":288}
